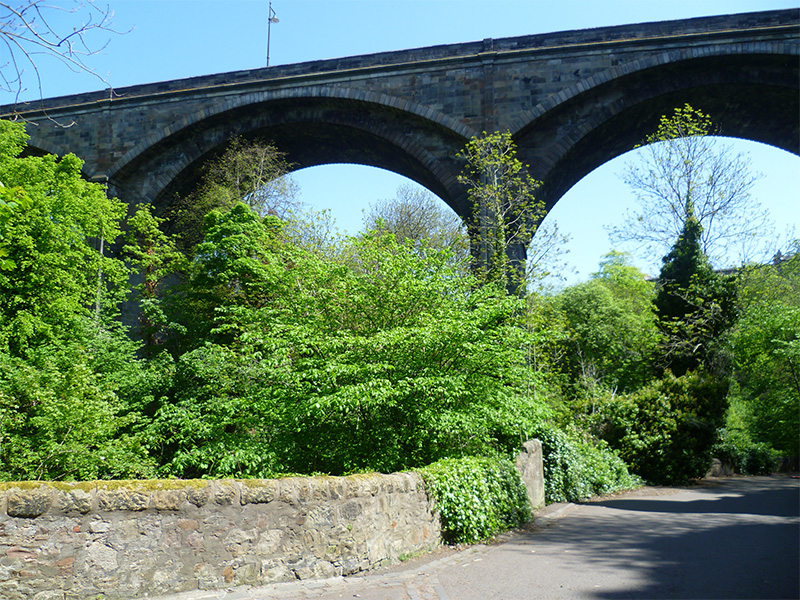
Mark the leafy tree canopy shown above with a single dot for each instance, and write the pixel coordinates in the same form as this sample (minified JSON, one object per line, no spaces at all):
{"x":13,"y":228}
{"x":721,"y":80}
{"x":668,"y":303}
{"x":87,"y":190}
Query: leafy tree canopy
{"x":612,"y":327}
{"x":253,"y":172}
{"x":765,"y":344}
{"x":384,"y":358}
{"x":68,"y":374}
{"x":61,"y":272}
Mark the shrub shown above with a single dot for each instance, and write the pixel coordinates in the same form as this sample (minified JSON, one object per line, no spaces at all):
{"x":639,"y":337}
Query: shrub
{"x":383,"y":359}
{"x":746,"y":456}
{"x":476,"y":497}
{"x":576,"y":469}
{"x":664,"y":431}
{"x":64,"y":413}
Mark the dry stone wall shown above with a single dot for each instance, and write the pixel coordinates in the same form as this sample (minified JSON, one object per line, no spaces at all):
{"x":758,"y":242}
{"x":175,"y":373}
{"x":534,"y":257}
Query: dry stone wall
{"x":129,"y":539}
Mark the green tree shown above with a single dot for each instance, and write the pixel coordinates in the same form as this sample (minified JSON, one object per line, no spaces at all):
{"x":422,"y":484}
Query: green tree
{"x":505,"y":207}
{"x":616,"y":270}
{"x":693,"y":197}
{"x":66,"y":411}
{"x":767,"y":368}
{"x":665,"y":431}
{"x":63,"y":273}
{"x":313,"y":230}
{"x":611,"y":327}
{"x":693,"y":304}
{"x":382,"y":359}
{"x":765,"y":344}
{"x":239,"y":262}
{"x":776,"y":282}
{"x":683,"y":162}
{"x":12,"y":199}
{"x":252,"y":172}
{"x":155,"y":258}
{"x":67,"y":372}
{"x":671,"y":425}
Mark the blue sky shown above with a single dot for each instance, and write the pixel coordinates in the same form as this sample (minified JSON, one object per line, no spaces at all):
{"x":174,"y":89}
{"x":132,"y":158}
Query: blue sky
{"x":168,"y":39}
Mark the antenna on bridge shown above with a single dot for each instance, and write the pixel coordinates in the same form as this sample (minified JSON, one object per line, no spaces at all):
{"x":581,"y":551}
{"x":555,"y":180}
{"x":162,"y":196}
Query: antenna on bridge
{"x":273,"y":18}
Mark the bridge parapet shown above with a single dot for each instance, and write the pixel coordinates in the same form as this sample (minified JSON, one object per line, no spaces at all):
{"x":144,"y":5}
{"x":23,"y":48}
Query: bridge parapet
{"x":660,"y":34}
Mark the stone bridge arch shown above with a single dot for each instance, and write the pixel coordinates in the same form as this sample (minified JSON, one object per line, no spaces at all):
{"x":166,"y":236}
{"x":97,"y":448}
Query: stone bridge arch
{"x":749,"y":95}
{"x":333,"y":125}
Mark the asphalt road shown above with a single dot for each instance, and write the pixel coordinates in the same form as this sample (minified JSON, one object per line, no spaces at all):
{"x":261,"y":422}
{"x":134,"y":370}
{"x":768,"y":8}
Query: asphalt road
{"x":724,"y":539}
{"x":733,"y":538}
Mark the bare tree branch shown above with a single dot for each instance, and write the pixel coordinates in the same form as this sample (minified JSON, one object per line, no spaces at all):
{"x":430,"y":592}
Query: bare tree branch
{"x":32,"y":30}
{"x":416,"y":214}
{"x":546,"y":264}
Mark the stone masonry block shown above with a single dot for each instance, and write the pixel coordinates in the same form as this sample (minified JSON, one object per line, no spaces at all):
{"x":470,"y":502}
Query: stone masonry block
{"x":29,"y":503}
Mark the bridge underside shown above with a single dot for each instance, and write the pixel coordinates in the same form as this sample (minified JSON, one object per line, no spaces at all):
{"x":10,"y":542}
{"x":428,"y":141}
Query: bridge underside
{"x":755,"y":99}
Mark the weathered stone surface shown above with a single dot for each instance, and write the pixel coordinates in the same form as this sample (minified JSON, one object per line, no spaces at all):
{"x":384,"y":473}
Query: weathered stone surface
{"x":29,"y":503}
{"x":123,"y":499}
{"x":719,"y":469}
{"x":129,"y":539}
{"x":225,"y":493}
{"x":97,"y":525}
{"x":276,"y":569}
{"x":319,"y":488}
{"x":188,"y":524}
{"x":531,"y":468}
{"x":15,"y":552}
{"x":288,"y":491}
{"x":197,"y":496}
{"x":49,"y":595}
{"x":260,"y":491}
{"x":76,"y":500}
{"x":167,"y":499}
{"x":102,"y":557}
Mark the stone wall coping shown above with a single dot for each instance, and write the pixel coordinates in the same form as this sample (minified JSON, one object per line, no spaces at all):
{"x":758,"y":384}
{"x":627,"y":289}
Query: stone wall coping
{"x":30,"y":499}
{"x":655,"y":32}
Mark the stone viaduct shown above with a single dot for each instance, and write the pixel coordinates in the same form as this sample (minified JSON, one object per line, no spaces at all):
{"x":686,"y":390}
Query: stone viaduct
{"x":572,"y":101}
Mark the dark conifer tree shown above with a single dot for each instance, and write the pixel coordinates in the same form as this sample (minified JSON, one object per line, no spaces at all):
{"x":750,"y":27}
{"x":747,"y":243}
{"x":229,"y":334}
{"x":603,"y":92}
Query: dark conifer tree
{"x":693,"y":304}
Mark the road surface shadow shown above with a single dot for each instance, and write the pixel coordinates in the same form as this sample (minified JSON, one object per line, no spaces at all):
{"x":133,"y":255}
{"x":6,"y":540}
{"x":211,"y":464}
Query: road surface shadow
{"x":774,"y":499}
{"x":745,"y":544}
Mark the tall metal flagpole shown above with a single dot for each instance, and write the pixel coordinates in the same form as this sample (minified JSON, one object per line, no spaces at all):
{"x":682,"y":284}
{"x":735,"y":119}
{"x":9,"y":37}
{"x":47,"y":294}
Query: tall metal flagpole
{"x":273,"y":18}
